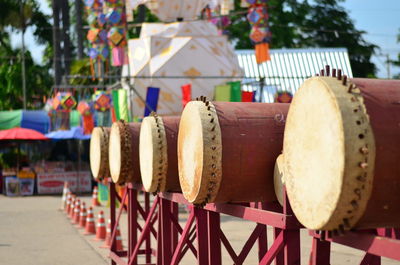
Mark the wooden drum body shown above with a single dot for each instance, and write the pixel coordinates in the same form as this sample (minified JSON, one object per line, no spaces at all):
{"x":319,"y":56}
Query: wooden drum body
{"x":227,"y":150}
{"x":124,"y":152}
{"x":158,"y":153}
{"x":99,"y":153}
{"x":342,"y":153}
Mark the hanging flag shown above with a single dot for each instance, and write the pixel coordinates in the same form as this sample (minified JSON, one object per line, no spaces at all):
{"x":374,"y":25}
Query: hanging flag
{"x":236,"y":91}
{"x":123,"y":105}
{"x":247,"y":96}
{"x":115,"y":100}
{"x":223,"y":93}
{"x":151,"y":100}
{"x":186,"y":94}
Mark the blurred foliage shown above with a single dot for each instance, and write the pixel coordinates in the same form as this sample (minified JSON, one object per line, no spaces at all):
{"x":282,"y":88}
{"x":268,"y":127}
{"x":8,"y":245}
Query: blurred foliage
{"x":38,"y":83}
{"x":13,"y":18}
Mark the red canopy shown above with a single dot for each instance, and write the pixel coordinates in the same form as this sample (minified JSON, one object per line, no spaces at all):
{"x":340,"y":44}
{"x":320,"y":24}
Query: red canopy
{"x":21,"y":134}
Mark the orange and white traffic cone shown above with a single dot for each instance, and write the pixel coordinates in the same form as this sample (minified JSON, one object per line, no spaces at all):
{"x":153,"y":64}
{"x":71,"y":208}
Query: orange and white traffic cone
{"x":82,"y":216}
{"x":95,"y":201}
{"x":100,"y":227}
{"x":68,"y":202}
{"x":64,"y":195}
{"x":77,"y":211}
{"x":118,"y":239}
{"x":107,"y":242}
{"x":71,"y":209}
{"x":90,"y":227}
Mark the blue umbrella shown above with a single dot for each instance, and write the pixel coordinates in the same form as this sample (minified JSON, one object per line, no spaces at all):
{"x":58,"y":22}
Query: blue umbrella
{"x":73,"y":133}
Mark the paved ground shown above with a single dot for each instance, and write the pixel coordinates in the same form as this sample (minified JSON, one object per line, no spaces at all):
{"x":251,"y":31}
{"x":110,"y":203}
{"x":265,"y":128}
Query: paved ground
{"x":34,"y":232}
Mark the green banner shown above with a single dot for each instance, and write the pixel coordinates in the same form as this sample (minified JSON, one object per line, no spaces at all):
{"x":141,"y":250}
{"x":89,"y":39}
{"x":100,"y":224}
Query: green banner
{"x":222,"y":93}
{"x":236,"y":91}
{"x":10,"y":119}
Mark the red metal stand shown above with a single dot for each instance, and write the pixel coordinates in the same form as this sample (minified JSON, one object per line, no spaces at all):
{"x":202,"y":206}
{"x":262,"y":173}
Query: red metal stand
{"x":203,"y":224}
{"x":376,"y":243}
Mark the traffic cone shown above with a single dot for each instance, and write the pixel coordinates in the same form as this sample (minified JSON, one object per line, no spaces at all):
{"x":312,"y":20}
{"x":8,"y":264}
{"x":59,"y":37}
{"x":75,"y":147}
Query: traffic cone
{"x":118,"y":239}
{"x":64,"y":195}
{"x":90,"y":227}
{"x":100,"y":227}
{"x":68,"y":203}
{"x":82,"y":216}
{"x":95,"y":202}
{"x":107,"y":242}
{"x":71,"y":209}
{"x":77,"y":211}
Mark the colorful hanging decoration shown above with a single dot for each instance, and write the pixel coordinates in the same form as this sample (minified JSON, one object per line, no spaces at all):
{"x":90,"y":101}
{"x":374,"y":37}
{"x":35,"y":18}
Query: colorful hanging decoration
{"x":85,"y":109}
{"x":97,"y":37}
{"x":64,"y":101}
{"x":186,"y":94}
{"x":283,"y":97}
{"x":151,"y":100}
{"x":102,"y":100}
{"x":62,"y":104}
{"x":260,"y":34}
{"x":214,"y":16}
{"x":116,"y":36}
{"x":247,"y":96}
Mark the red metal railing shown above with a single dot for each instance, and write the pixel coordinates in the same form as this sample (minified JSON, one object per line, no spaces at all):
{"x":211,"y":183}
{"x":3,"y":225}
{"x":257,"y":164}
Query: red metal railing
{"x":162,"y":240}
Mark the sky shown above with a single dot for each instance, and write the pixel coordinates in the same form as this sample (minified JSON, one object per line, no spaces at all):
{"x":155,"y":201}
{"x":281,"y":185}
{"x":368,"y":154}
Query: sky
{"x":380,"y":19}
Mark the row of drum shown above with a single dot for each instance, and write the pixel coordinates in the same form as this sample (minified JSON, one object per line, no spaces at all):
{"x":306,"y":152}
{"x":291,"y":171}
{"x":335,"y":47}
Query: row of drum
{"x":335,"y":148}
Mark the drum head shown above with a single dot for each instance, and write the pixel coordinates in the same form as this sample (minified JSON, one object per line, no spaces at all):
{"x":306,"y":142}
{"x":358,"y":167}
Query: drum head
{"x":325,"y":130}
{"x":99,"y":153}
{"x":279,"y":180}
{"x":199,"y":152}
{"x":153,"y":154}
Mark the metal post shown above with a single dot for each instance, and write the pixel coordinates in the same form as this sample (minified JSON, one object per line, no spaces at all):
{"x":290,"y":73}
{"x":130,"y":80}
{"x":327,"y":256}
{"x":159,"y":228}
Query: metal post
{"x":148,"y":238}
{"x":202,"y":236}
{"x":214,"y":240}
{"x":112,"y":215}
{"x":320,"y":252}
{"x":23,"y":53}
{"x":132,"y":222}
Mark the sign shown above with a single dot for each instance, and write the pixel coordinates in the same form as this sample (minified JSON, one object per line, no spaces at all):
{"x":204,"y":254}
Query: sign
{"x":53,"y":183}
{"x":12,"y":186}
{"x":26,"y":186}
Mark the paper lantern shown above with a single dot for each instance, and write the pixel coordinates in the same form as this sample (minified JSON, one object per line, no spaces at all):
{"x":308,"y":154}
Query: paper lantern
{"x":260,"y":34}
{"x":64,"y":101}
{"x":84,"y":108}
{"x":283,"y":97}
{"x":102,"y":100}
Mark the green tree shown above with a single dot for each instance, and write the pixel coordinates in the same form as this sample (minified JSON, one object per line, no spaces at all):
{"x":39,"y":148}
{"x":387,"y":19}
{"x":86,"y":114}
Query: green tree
{"x":397,"y":61}
{"x":39,"y":79}
{"x":302,"y":23}
{"x":16,"y":19}
{"x":329,"y":25}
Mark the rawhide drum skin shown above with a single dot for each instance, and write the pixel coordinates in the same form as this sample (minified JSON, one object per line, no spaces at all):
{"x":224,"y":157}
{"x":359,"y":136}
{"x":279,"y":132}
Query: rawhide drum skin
{"x":342,"y":153}
{"x":158,"y":153}
{"x":279,"y":180}
{"x":227,"y":150}
{"x":99,"y":153}
{"x":124,"y":152}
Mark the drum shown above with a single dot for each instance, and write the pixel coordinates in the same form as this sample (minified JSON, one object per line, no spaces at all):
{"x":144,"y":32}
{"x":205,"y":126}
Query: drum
{"x":158,"y":153}
{"x":342,"y":153}
{"x":227,"y":150}
{"x":124,"y":152}
{"x":99,"y":153}
{"x":279,"y":180}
